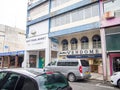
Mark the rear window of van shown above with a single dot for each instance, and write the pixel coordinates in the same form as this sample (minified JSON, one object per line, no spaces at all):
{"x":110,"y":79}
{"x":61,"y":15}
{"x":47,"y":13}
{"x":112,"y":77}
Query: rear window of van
{"x":84,"y":63}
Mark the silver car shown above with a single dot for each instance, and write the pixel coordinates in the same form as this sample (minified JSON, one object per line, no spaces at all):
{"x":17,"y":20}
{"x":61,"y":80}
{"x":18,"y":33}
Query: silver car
{"x":32,"y":79}
{"x":73,"y":69}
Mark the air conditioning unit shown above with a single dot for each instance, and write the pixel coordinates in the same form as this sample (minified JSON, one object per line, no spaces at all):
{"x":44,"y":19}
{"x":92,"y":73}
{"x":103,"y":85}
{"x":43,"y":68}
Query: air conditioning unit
{"x":109,"y":14}
{"x":29,"y":3}
{"x":33,"y":32}
{"x":29,"y":18}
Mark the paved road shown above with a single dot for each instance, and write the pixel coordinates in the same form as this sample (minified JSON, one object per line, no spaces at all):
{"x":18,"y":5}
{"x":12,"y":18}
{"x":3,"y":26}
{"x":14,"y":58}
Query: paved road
{"x":92,"y":85}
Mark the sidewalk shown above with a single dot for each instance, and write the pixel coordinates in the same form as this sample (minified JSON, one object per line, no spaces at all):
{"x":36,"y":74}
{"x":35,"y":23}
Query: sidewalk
{"x":96,"y":76}
{"x":101,"y":82}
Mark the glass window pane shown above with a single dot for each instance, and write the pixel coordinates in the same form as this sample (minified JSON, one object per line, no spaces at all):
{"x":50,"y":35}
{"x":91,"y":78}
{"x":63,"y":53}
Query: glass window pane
{"x":95,"y":10}
{"x":88,"y":12}
{"x":11,"y":82}
{"x":112,"y":5}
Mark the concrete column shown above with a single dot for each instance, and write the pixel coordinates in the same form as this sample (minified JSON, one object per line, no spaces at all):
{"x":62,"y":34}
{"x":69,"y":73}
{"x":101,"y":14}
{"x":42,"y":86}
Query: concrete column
{"x":2,"y":61}
{"x":26,"y":59}
{"x":104,"y":56}
{"x":47,"y":52}
{"x":16,"y":61}
{"x":8,"y":61}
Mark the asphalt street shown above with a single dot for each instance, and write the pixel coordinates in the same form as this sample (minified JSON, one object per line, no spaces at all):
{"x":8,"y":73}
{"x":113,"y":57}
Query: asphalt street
{"x":92,"y":85}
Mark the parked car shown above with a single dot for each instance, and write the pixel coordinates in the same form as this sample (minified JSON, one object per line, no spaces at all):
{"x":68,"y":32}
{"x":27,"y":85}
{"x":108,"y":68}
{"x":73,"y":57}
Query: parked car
{"x":73,"y":69}
{"x":115,"y":79}
{"x":32,"y":79}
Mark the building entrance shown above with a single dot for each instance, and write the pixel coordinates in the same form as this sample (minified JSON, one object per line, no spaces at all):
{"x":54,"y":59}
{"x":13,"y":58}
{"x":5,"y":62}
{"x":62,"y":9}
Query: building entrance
{"x":116,"y":64}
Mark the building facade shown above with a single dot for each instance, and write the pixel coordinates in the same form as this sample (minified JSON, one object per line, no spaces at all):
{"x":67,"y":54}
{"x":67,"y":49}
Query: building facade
{"x":110,"y":25}
{"x":11,"y":47}
{"x":61,"y":29}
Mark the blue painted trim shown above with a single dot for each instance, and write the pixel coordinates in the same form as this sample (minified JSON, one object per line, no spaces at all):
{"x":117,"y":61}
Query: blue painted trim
{"x":75,"y":29}
{"x":49,"y":22}
{"x":64,"y":10}
{"x":21,"y":52}
{"x":85,"y":56}
{"x":38,"y":20}
{"x":36,"y":4}
{"x":73,"y":7}
{"x":27,"y":31}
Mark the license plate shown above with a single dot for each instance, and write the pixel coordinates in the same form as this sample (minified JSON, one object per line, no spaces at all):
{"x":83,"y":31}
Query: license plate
{"x":87,"y":72}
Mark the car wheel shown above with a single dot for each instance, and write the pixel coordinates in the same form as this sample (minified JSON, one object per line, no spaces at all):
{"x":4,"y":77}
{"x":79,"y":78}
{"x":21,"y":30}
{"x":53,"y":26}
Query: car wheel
{"x":118,"y":83}
{"x":71,"y":77}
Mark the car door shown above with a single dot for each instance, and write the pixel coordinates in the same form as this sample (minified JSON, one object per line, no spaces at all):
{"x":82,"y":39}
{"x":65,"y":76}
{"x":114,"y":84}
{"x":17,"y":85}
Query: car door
{"x":10,"y":82}
{"x":29,"y":84}
{"x":15,"y":81}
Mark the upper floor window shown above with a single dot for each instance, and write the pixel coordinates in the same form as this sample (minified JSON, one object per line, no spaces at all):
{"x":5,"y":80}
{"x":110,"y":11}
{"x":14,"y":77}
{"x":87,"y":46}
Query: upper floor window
{"x":75,"y":15}
{"x":96,"y":41}
{"x":84,"y":42}
{"x":74,"y":42}
{"x":64,"y":45}
{"x":112,"y":5}
{"x":56,"y":3}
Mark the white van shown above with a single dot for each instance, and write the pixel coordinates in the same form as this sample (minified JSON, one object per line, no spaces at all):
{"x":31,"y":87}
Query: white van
{"x":73,"y":69}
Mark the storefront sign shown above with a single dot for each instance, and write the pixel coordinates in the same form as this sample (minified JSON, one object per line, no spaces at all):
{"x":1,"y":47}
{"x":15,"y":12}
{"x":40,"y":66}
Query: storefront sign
{"x":85,"y":56}
{"x":36,"y":40}
{"x":77,"y":52}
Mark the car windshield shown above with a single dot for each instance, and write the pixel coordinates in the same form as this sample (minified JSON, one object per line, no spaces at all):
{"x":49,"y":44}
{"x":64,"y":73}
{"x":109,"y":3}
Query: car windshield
{"x":52,"y":81}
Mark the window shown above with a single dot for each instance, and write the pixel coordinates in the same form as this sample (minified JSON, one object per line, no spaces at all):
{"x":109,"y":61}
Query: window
{"x":67,"y":63}
{"x":11,"y":82}
{"x":95,"y":10}
{"x":84,"y":42}
{"x":35,"y":12}
{"x":88,"y":12}
{"x":116,"y":64}
{"x":56,"y":3}
{"x":75,"y":15}
{"x":73,"y":43}
{"x":96,"y":41}
{"x":111,"y":5}
{"x":64,"y":45}
{"x":2,"y":76}
{"x":53,"y":81}
{"x":29,"y":85}
{"x":61,"y":64}
{"x":84,"y":63}
{"x":52,"y":63}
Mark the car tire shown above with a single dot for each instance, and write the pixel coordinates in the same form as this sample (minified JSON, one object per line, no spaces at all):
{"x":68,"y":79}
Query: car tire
{"x":71,"y":77}
{"x":118,"y":83}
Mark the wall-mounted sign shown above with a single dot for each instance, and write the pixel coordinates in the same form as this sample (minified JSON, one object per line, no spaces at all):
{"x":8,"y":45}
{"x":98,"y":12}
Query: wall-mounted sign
{"x":36,"y":40}
{"x":54,"y":46}
{"x":77,"y":52}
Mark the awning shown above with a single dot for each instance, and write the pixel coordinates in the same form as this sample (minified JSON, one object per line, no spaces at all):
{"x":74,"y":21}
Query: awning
{"x":12,"y":53}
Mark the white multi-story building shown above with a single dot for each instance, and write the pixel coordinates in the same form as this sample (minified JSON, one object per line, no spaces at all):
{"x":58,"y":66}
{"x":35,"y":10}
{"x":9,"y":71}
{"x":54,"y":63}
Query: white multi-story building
{"x":60,"y":29}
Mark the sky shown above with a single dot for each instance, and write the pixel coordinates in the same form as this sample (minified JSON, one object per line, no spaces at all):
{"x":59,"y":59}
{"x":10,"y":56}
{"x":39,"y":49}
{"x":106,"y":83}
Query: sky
{"x":13,"y":13}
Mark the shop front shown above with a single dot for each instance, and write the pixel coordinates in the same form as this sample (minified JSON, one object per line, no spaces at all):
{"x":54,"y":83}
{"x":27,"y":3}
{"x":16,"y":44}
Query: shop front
{"x":94,"y":57}
{"x":113,"y":48}
{"x":37,"y":52}
{"x":11,"y":59}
